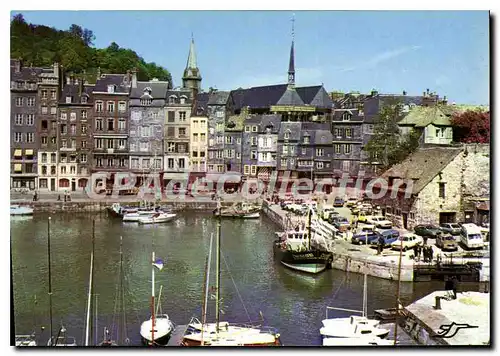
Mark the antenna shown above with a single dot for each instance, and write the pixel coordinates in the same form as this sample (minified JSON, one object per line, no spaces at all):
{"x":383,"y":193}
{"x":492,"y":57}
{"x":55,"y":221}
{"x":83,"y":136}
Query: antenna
{"x":293,"y":26}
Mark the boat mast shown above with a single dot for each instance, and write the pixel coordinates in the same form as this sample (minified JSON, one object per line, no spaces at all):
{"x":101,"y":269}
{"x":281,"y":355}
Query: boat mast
{"x":50,"y":279}
{"x":365,"y":294}
{"x":217,"y":275}
{"x":206,"y":287}
{"x":89,"y":296}
{"x":397,"y":293}
{"x":309,"y":228}
{"x":122,"y":298}
{"x":153,"y":301}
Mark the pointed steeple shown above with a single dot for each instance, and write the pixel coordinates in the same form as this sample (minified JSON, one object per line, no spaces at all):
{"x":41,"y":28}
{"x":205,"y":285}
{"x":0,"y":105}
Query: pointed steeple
{"x":192,"y":77}
{"x":291,"y":66}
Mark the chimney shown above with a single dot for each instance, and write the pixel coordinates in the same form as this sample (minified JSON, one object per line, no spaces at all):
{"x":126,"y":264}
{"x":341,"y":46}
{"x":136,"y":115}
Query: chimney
{"x":134,"y":78}
{"x":80,"y":88}
{"x":404,"y":92}
{"x":98,"y":76}
{"x":427,"y":91}
{"x":18,"y":65}
{"x":56,"y":69}
{"x":423,"y":94}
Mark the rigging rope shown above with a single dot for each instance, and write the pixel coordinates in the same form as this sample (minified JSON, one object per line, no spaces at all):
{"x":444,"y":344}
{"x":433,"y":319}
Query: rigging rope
{"x":234,"y":283}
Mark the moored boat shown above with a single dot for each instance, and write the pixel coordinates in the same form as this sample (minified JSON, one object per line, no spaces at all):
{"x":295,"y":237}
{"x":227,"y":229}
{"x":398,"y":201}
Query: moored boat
{"x":163,"y":328}
{"x":26,"y":340}
{"x":18,"y":210}
{"x":240,"y":211}
{"x":156,"y":218}
{"x":352,"y":327}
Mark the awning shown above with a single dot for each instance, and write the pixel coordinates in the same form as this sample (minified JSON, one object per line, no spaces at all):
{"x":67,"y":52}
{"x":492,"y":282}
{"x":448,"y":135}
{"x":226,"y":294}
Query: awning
{"x":18,"y":167}
{"x":18,"y":153}
{"x":484,"y":206}
{"x":29,"y":152}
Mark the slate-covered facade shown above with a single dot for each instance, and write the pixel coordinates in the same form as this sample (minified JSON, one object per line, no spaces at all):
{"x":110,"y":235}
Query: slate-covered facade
{"x":146,"y":125}
{"x":218,"y":109}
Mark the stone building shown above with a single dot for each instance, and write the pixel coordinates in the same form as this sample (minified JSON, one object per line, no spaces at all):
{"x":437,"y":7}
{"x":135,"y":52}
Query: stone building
{"x":233,"y":143}
{"x":110,"y":124}
{"x":23,"y":125}
{"x":218,"y":109}
{"x":449,"y":184}
{"x":74,"y":119}
{"x":199,"y":135}
{"x":267,"y":148}
{"x":146,"y":125}
{"x":250,"y":140}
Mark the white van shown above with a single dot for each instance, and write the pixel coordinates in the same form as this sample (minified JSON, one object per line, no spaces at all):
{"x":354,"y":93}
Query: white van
{"x":471,"y":236}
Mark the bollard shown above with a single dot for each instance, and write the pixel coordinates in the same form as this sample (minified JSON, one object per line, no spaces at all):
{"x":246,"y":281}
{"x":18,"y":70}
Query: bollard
{"x":438,"y":303}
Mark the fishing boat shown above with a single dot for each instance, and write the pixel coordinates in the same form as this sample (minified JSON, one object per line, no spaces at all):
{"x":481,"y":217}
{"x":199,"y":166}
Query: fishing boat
{"x":157,"y":218}
{"x":18,"y":210}
{"x":240,"y":211}
{"x":157,"y":330}
{"x":25,"y":340}
{"x":136,"y":216}
{"x":294,"y":250}
{"x":118,"y":211}
{"x":222,"y":333}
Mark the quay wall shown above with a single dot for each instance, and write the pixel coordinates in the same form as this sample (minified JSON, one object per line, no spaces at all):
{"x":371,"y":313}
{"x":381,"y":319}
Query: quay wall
{"x":356,"y":262}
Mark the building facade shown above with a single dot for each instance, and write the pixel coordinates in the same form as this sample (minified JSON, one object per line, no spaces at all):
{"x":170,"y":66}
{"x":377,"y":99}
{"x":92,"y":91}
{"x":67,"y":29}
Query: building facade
{"x":199,"y":143}
{"x":147,"y":117}
{"x":110,"y":123}
{"x":218,"y":109}
{"x":74,"y":120}
{"x":23,"y":125}
{"x":267,"y":146}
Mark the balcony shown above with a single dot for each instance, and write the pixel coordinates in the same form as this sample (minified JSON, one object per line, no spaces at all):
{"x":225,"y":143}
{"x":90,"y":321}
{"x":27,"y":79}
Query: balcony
{"x":68,"y":149}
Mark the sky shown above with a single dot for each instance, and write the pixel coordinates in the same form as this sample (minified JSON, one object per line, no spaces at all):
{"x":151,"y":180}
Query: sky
{"x":390,"y":51}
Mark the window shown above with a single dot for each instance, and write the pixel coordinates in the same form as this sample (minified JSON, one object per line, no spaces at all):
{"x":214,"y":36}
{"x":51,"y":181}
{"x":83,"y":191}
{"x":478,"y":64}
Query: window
{"x":287,"y":135}
{"x":144,"y":146}
{"x":64,"y":144}
{"x":99,"y":162}
{"x":306,"y":140}
{"x":183,"y":99}
{"x":30,"y":119}
{"x":346,"y":116}
{"x":122,"y":124}
{"x":64,"y":116}
{"x":171,"y":116}
{"x":181,"y":148}
{"x":238,"y":140}
{"x":43,"y":182}
{"x":195,"y":137}
{"x":53,"y":110}
{"x":31,"y":101}
{"x":45,"y":125}
{"x":54,"y":125}
{"x":229,"y":139}
{"x":98,"y":143}
{"x":53,"y":140}
{"x":44,"y":158}
{"x":347,"y":148}
{"x":146,"y":102}
{"x":72,"y":170}
{"x":182,"y":131}
{"x":182,"y":164}
{"x":182,"y":116}
{"x":98,"y":106}
{"x":246,"y":169}
{"x":19,"y":101}
{"x":63,"y":170}
{"x":110,"y":162}
{"x":442,"y":190}
{"x":172,"y":99}
{"x":220,"y":168}
{"x":44,"y":110}
{"x":122,"y":162}
{"x":254,"y":141}
{"x":110,"y":144}
{"x":319,"y":165}
{"x":319,"y":152}
{"x":111,"y":124}
{"x":72,"y":116}
{"x":337,"y":148}
{"x":122,"y":106}
{"x":171,"y":131}
{"x":84,"y":99}
{"x":19,"y":119}
{"x":64,"y":129}
{"x":84,"y":129}
{"x":111,"y":106}
{"x":346,"y":165}
{"x":195,"y":154}
{"x":253,"y":154}
{"x":73,"y":129}
{"x":44,"y":94}
{"x":254,"y":128}
{"x":348,"y":132}
{"x":247,"y":128}
{"x":84,"y":143}
{"x":220,"y":126}
{"x":68,"y":99}
{"x":53,"y":94}
{"x":253,"y":170}
{"x":43,"y":140}
{"x":83,"y":158}
{"x":84,"y":114}
{"x":111,"y":88}
{"x":171,"y":147}
{"x":238,"y":155}
{"x":52,"y":170}
{"x":219,"y":154}
{"x":202,"y":154}
{"x":170,"y":163}
{"x":121,"y":143}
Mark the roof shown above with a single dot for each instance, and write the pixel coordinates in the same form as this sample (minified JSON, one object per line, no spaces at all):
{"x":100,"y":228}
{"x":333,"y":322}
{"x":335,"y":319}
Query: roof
{"x":73,"y":90}
{"x":201,"y":103}
{"x":290,"y":97}
{"x":235,"y":123}
{"x":270,"y":120}
{"x":119,"y":80}
{"x":422,"y":116}
{"x":25,"y":73}
{"x":423,"y":165}
{"x":372,"y":104}
{"x":293,"y":129}
{"x":218,"y":98}
{"x":266,"y":96}
{"x":158,"y":89}
{"x":323,"y":137}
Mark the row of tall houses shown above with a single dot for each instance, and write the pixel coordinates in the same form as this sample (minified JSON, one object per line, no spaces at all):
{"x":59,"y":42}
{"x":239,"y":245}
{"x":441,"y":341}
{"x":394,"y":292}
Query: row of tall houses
{"x":63,"y":128}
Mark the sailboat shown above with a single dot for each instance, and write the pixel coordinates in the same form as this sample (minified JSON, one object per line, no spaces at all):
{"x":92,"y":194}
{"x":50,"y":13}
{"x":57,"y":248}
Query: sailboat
{"x":354,"y":330}
{"x":62,"y":339}
{"x":223,"y":333}
{"x":294,"y":250}
{"x":158,"y":329}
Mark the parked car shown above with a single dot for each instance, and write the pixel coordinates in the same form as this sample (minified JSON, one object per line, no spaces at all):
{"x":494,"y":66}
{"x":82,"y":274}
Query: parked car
{"x":453,"y":229}
{"x":427,"y":230}
{"x":408,"y":241}
{"x":389,"y":237}
{"x":379,"y":221}
{"x":362,"y":217}
{"x":341,"y":223}
{"x":338,"y":202}
{"x":362,"y":237}
{"x":351,"y":202}
{"x":446,"y":242}
{"x":471,"y":236}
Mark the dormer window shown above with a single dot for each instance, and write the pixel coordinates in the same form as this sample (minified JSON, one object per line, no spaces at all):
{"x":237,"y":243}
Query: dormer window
{"x":346,"y":116}
{"x":111,"y":88}
{"x":146,"y":102}
{"x":84,"y":99}
{"x":68,"y":100}
{"x":287,"y":135}
{"x":172,"y":99}
{"x":148,"y":91}
{"x":183,"y":99}
{"x":306,"y":138}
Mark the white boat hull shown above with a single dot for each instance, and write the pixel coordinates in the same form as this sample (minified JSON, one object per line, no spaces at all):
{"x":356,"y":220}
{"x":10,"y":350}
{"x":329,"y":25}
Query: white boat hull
{"x":20,"y":211}
{"x":251,"y":216}
{"x":134,"y":217}
{"x":162,"y":332}
{"x":308,"y":267}
{"x":157,"y":220}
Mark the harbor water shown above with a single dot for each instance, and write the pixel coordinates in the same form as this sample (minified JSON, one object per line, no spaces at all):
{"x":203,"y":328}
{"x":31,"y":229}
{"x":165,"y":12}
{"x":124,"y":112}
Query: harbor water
{"x":254,"y":286}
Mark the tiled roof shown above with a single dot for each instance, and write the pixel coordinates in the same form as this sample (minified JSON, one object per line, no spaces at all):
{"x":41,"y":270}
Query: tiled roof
{"x":423,"y":165}
{"x":26,"y":73}
{"x":323,"y":137}
{"x":315,"y":96}
{"x":201,"y":104}
{"x":158,"y":89}
{"x":422,"y":116}
{"x":119,"y":80}
{"x":218,"y":98}
{"x":270,"y":120}
{"x":73,"y":90}
{"x":290,"y":97}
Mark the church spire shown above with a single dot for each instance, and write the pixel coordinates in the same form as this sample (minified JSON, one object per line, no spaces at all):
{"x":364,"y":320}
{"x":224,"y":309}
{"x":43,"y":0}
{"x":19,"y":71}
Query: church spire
{"x":192,"y":77}
{"x":291,"y":66}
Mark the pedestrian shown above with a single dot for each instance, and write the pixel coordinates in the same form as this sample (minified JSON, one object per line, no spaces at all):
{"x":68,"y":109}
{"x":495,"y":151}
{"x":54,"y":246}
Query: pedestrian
{"x":425,"y":240}
{"x":454,"y":285}
{"x":424,"y":253}
{"x":356,"y":222}
{"x":380,"y":246}
{"x":415,"y":252}
{"x":431,"y":253}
